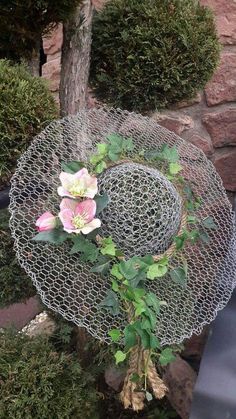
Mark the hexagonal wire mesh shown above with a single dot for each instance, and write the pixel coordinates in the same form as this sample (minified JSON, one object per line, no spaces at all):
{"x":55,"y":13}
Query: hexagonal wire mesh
{"x":143,"y":214}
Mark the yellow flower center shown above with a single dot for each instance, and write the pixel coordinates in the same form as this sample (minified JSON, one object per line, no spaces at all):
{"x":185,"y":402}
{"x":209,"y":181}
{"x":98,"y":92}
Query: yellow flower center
{"x":77,"y":189}
{"x":78,"y":221}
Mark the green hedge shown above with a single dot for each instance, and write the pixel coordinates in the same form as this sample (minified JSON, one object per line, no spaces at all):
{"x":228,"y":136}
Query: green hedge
{"x":36,"y":382}
{"x":26,"y":106}
{"x":15,"y":285}
{"x":149,"y":54}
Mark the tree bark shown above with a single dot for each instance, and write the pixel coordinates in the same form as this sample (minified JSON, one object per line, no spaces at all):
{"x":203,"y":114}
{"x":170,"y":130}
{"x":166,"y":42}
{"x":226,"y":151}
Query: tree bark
{"x":77,"y":35}
{"x":34,"y":61}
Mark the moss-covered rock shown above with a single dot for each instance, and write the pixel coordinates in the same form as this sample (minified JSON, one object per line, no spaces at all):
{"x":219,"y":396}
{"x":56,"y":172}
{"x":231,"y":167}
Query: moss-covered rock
{"x":26,"y":106}
{"x":149,"y":54}
{"x":36,"y":382}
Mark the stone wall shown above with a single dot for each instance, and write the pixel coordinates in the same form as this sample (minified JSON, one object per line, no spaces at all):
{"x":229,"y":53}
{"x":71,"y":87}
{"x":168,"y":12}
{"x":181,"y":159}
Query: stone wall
{"x":208,"y":121}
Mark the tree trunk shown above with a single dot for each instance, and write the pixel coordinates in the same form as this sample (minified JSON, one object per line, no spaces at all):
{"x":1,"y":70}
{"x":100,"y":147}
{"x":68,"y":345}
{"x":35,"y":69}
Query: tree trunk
{"x":34,"y":61}
{"x":77,"y":35}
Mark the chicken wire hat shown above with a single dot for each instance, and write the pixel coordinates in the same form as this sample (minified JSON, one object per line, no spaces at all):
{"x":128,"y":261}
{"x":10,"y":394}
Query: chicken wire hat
{"x":144,"y":213}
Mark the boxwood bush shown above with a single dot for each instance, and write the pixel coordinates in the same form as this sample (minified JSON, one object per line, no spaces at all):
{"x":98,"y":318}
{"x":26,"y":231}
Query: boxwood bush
{"x":149,"y":54}
{"x":15,"y":285}
{"x":36,"y":382}
{"x":26,"y":106}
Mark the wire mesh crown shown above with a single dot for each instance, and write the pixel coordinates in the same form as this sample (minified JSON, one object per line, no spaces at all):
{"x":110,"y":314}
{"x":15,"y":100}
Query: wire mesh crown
{"x":143,"y":215}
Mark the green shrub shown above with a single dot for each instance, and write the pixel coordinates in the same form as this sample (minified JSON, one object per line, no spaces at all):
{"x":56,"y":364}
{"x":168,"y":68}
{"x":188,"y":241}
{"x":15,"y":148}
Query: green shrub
{"x":26,"y":106}
{"x":15,"y":285}
{"x":36,"y":382}
{"x":149,"y":54}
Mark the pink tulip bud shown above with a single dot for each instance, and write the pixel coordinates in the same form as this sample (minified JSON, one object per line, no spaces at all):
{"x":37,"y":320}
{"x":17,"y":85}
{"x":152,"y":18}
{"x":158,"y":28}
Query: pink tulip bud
{"x":46,"y":222}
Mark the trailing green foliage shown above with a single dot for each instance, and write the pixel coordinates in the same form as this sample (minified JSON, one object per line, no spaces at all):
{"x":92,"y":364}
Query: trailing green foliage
{"x":38,"y":382}
{"x":15,"y":285}
{"x":22,"y":23}
{"x":149,"y":54}
{"x":26,"y":107}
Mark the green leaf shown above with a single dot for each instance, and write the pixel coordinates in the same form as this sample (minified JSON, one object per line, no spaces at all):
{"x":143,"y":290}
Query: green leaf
{"x":175,"y":168}
{"x":129,"y":268}
{"x":152,"y":301}
{"x":188,"y":192}
{"x":96,"y":158}
{"x":128,"y":144}
{"x":138,"y":293}
{"x":115,"y":140}
{"x":147,"y":260}
{"x":157,"y":270}
{"x":130,"y":337}
{"x":191,"y":219}
{"x":114,"y":285}
{"x":151,"y":316}
{"x":138,"y":279}
{"x":166,"y":357}
{"x":193,"y":236}
{"x":145,"y":323}
{"x":72,"y":167}
{"x":170,"y":154}
{"x":111,"y":303}
{"x":113,"y":156}
{"x":116,"y":272}
{"x":178,"y":275}
{"x":135,"y":378}
{"x":144,"y":335}
{"x":89,"y":251}
{"x":209,"y":223}
{"x":55,"y":236}
{"x":115,"y":334}
{"x":204,"y":237}
{"x":100,"y":167}
{"x":102,"y":148}
{"x":139,"y":308}
{"x":120,"y":356}
{"x":154,"y":342}
{"x":92,"y":236}
{"x":148,"y":396}
{"x":102,"y":266}
{"x":180,"y":240}
{"x":101,"y":202}
{"x":108,"y":247}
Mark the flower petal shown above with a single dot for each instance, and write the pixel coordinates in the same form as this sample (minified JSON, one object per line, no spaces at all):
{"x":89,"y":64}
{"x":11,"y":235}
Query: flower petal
{"x":95,"y":223}
{"x":66,"y":179}
{"x":87,"y":209}
{"x":63,"y":192}
{"x":81,"y":173}
{"x":91,"y":187}
{"x":47,"y":221}
{"x":66,"y":217}
{"x":67,"y":203}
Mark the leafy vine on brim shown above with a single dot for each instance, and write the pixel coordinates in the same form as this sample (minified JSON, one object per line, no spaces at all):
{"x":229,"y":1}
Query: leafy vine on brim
{"x":78,"y":222}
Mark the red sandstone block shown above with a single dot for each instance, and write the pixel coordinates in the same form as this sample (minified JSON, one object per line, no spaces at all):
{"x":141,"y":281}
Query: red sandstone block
{"x":222,"y":87}
{"x":225,"y":164}
{"x":221,"y":126}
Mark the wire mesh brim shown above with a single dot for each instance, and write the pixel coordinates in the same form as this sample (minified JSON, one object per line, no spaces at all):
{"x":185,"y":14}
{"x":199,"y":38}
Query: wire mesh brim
{"x":67,"y":285}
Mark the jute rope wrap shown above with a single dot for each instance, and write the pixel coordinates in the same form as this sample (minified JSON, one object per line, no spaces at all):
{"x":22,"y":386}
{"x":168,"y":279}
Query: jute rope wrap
{"x":140,"y":364}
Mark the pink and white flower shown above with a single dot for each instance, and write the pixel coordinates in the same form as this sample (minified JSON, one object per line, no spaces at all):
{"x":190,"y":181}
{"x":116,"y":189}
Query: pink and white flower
{"x":80,"y":184}
{"x":46,"y":222}
{"x":78,"y":217}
